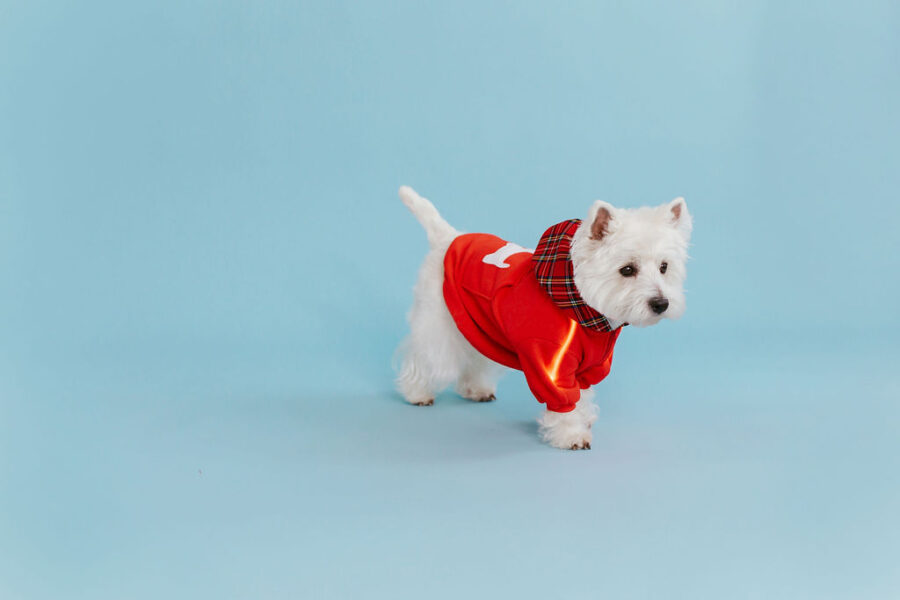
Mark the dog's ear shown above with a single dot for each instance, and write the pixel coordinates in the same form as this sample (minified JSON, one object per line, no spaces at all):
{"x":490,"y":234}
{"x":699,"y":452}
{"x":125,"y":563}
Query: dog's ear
{"x":677,"y":213}
{"x":601,"y":219}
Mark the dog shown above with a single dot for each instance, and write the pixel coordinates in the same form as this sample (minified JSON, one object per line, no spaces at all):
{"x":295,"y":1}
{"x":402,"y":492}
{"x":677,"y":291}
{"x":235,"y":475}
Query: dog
{"x":482,"y":304}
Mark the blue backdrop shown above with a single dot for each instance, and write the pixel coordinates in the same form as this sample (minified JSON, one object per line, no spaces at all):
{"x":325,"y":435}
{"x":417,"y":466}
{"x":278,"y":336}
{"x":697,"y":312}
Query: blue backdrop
{"x":204,"y":270}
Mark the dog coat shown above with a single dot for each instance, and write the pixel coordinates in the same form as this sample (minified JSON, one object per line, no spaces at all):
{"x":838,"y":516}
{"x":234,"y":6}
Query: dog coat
{"x":521,"y":308}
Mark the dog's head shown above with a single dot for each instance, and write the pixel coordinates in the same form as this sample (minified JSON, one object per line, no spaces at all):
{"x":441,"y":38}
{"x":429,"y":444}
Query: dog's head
{"x":629,"y":264}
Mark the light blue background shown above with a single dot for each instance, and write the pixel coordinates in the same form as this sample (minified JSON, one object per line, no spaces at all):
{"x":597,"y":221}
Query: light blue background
{"x":204,"y":270}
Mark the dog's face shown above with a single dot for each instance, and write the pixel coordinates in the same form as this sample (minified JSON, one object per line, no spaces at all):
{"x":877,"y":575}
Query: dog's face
{"x":629,"y":264}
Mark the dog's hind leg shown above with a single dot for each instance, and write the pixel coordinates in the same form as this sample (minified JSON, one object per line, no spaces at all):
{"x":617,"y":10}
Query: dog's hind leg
{"x":432,"y":358}
{"x":478,"y":380}
{"x":435,"y":352}
{"x":417,"y":380}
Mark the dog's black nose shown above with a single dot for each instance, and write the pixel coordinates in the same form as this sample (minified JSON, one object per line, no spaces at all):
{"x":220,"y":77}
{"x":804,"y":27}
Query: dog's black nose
{"x":659,"y":305}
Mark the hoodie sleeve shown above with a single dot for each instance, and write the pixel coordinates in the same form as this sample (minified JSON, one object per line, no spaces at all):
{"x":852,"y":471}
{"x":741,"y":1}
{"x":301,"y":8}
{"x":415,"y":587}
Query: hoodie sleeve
{"x":596,"y":374}
{"x":550,"y":372}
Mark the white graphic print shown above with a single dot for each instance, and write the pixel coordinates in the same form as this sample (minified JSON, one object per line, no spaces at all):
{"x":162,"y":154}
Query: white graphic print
{"x":498,"y":258}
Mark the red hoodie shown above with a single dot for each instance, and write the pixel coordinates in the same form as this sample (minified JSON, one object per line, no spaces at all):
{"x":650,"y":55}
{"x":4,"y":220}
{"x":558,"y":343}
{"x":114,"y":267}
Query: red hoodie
{"x":522,"y":310}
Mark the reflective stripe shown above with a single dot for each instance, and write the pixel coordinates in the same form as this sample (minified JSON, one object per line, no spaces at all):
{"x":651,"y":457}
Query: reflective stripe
{"x":553,"y":371}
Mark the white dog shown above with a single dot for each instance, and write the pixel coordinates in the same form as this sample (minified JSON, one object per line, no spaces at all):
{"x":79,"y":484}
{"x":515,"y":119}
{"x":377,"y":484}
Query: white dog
{"x":482,"y":303}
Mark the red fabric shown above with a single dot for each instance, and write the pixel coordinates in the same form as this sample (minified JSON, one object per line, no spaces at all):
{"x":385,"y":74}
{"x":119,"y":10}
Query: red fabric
{"x":555,"y":273}
{"x":507,"y":316}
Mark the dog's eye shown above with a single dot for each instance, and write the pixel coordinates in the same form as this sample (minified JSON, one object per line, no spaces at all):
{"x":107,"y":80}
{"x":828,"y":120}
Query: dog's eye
{"x":663,"y":267}
{"x":628,"y":271}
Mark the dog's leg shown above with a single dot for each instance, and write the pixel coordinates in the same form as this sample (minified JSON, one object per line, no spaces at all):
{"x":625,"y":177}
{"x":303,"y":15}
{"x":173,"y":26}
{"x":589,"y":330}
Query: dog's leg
{"x":432,"y":357}
{"x":571,"y":430}
{"x":435,"y":352}
{"x":416,"y":381}
{"x":478,"y":381}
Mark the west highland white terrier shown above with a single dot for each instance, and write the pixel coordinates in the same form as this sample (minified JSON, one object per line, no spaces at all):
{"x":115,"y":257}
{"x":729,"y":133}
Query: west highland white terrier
{"x":482,"y":303}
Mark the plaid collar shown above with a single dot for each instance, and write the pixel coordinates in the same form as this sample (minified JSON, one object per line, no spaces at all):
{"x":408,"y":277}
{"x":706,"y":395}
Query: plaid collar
{"x":553,"y":268}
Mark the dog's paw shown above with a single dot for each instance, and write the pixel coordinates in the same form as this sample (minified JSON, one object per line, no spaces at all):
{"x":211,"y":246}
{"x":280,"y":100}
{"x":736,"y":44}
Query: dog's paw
{"x":488,"y":398}
{"x":567,"y":431}
{"x":428,"y":402}
{"x":566,"y":439}
{"x":476,"y":394}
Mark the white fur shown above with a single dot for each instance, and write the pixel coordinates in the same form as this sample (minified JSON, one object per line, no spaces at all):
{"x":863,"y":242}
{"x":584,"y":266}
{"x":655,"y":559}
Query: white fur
{"x":436,"y":354}
{"x":645,"y":237}
{"x":571,"y":430}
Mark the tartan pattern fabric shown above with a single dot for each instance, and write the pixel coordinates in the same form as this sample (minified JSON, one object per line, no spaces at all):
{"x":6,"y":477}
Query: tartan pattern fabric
{"x":553,"y":268}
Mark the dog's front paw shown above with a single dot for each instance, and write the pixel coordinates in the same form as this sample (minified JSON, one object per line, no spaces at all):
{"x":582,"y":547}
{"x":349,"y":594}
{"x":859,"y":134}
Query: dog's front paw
{"x":427,"y":402}
{"x":571,"y":430}
{"x":567,"y":436}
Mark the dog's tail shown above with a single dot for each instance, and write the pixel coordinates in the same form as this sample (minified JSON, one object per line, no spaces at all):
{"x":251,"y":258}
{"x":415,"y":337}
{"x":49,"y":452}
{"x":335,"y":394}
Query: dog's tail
{"x":439,"y":231}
